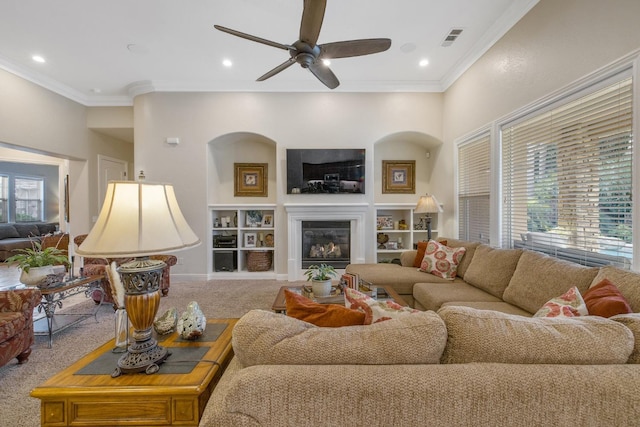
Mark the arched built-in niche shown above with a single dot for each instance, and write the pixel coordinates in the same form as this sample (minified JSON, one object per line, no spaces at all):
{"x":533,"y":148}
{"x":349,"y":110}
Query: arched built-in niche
{"x":409,"y":145}
{"x":239,"y":147}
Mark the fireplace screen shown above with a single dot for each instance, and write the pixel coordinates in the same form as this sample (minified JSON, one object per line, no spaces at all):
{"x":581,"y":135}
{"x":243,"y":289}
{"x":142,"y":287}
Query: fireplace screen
{"x":326,"y":242}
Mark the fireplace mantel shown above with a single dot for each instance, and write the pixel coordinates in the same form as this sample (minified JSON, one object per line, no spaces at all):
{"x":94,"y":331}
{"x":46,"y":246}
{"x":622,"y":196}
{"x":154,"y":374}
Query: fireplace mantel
{"x":296,"y":213}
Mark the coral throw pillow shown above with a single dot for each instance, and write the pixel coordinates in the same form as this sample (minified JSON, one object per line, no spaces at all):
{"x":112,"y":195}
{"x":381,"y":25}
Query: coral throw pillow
{"x":605,"y":299}
{"x":441,"y":260}
{"x":375,"y":311}
{"x":422,"y":247}
{"x":569,"y":304}
{"x":329,"y":315}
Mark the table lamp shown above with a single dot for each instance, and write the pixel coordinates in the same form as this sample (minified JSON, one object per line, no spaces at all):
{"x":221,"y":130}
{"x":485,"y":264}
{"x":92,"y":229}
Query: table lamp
{"x":137,"y":220}
{"x":427,"y":204}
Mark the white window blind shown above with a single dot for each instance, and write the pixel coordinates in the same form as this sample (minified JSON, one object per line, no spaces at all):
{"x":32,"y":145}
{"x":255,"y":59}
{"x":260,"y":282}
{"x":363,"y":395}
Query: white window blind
{"x":567,"y":179}
{"x":474,"y":186}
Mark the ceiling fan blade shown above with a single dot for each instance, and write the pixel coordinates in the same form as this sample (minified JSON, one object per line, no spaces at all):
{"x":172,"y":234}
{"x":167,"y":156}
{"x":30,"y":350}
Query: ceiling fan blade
{"x":351,"y":48}
{"x":324,"y":74}
{"x":312,"y":16}
{"x":286,"y":64}
{"x":253,"y":38}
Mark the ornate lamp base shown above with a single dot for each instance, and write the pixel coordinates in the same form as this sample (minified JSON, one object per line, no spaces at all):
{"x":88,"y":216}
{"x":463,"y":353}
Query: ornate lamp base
{"x":141,"y":280}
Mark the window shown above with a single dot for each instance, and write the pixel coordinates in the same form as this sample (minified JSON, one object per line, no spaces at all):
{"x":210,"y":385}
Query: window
{"x":567,"y":178}
{"x":474,"y":185}
{"x":29,"y":194}
{"x":4,"y":198}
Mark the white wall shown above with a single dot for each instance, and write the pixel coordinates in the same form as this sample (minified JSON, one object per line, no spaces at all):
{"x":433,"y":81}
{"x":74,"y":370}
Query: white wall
{"x":290,"y":120}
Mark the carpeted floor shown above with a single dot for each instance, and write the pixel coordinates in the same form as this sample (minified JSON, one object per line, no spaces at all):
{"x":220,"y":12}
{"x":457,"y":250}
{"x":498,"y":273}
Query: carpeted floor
{"x":217,"y":298}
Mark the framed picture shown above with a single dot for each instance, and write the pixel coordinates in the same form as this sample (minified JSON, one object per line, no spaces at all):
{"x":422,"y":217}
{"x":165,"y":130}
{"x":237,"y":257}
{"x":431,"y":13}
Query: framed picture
{"x":267,"y":220}
{"x":384,"y":222}
{"x":250,"y":179}
{"x":253,"y":218}
{"x":250,"y":240}
{"x":399,"y":176}
{"x":392,"y":245}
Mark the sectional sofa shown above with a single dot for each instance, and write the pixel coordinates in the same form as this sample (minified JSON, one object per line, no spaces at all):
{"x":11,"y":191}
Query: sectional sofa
{"x":474,"y":357}
{"x":22,"y":236}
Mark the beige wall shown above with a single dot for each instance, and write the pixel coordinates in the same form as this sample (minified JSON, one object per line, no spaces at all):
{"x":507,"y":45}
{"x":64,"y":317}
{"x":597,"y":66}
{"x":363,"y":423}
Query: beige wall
{"x":40,"y":126}
{"x":289,"y":120}
{"x":556,"y":43}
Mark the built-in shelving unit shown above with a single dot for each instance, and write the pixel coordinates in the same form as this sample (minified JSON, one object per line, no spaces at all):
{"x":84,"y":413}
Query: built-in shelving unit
{"x":242,"y":239}
{"x":389,"y":221}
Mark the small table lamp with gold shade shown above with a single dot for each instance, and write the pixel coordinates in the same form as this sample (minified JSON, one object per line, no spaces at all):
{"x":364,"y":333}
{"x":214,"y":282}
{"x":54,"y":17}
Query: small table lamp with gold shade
{"x":427,"y":204}
{"x":138,"y":220}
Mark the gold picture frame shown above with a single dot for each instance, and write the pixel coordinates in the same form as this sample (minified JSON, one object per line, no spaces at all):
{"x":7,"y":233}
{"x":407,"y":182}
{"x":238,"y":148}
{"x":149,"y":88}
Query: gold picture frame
{"x":399,"y":176}
{"x":250,"y":179}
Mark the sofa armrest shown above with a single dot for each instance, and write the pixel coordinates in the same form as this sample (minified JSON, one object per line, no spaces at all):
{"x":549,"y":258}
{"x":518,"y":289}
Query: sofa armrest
{"x":20,"y":300}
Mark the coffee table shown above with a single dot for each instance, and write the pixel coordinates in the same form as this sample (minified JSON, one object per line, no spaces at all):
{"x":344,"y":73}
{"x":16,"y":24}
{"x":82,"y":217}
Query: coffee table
{"x":85,"y":394}
{"x":383,"y":292}
{"x":53,"y":297}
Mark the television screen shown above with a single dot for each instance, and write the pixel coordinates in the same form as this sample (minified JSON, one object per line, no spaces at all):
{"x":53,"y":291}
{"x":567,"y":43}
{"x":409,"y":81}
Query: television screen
{"x":331,"y":171}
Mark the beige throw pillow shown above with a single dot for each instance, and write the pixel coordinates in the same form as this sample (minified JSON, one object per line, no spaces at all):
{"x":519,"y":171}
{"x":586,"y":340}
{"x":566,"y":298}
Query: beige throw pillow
{"x":491,"y":269}
{"x":264,"y":338}
{"x":494,"y":337}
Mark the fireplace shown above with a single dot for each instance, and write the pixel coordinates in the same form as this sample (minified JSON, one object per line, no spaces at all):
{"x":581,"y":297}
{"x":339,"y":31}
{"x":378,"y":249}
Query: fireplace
{"x":354,"y":214}
{"x":326,"y":242}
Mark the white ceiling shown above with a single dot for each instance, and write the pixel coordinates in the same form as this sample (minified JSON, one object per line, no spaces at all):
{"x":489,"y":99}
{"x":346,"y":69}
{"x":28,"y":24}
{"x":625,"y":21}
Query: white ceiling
{"x":106,"y":52}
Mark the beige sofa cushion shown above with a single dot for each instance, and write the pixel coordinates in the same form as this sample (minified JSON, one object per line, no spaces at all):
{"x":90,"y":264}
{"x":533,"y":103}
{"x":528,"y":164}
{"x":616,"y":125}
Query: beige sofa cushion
{"x":539,"y":277}
{"x":265,"y":338}
{"x":431,"y":296}
{"x":489,"y":336}
{"x":501,"y":306}
{"x":491,"y":269}
{"x":628,"y":282}
{"x":631,"y":321}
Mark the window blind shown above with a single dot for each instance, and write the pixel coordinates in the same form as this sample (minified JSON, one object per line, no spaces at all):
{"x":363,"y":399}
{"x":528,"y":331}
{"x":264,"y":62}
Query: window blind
{"x":567,"y":179}
{"x":474,"y":186}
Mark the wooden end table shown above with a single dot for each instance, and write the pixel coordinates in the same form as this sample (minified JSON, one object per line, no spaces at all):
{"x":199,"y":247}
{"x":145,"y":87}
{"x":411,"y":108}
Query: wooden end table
{"x":384,"y":292}
{"x":76,"y":397}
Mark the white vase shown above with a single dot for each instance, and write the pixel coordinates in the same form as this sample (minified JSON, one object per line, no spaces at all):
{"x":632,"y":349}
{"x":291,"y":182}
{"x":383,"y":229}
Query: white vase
{"x":321,"y":288}
{"x":35,"y":275}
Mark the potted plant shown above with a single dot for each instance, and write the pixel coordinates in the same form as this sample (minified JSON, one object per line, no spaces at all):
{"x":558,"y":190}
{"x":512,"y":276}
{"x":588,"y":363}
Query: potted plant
{"x":320,"y":277}
{"x":37,"y":263}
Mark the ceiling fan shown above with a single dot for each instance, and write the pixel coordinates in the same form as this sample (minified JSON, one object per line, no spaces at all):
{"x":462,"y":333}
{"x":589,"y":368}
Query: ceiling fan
{"x":310,"y":55}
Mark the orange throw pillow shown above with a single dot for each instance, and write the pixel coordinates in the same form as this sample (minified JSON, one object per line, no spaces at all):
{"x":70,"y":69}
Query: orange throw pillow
{"x":605,"y":300}
{"x":422,"y":247}
{"x":328,"y":315}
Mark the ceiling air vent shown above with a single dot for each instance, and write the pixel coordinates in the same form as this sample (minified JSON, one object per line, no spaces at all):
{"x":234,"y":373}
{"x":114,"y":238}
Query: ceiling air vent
{"x":451,"y":37}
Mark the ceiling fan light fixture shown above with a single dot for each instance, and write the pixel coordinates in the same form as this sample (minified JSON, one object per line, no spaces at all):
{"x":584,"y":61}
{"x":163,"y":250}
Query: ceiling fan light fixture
{"x":326,"y":62}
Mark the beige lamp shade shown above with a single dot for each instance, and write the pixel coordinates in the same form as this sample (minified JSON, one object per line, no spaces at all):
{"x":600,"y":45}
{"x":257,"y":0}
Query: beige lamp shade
{"x":138,"y":219}
{"x":428,"y":204}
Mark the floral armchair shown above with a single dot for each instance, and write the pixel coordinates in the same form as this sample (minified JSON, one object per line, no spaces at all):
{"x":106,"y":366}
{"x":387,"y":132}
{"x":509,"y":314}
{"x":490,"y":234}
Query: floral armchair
{"x":16,"y":323}
{"x":97,"y":266}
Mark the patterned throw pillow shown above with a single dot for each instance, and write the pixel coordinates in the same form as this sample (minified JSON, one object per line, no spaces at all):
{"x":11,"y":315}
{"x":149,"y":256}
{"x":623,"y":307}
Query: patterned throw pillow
{"x":327,"y":315}
{"x":441,"y":260}
{"x":569,"y":304}
{"x":606,"y":300}
{"x":375,"y":311}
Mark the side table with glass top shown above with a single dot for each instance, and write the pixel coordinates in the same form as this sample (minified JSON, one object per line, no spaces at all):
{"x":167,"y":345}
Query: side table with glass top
{"x":53,"y":297}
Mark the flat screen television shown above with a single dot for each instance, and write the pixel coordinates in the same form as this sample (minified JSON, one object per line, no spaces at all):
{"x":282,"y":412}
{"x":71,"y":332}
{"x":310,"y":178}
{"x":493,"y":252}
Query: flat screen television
{"x":330,"y":171}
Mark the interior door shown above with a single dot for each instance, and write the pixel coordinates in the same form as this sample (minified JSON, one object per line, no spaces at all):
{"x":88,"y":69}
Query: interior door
{"x":109,"y":169}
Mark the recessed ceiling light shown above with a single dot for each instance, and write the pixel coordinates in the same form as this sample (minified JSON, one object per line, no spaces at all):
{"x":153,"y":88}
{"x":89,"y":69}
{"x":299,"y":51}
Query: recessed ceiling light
{"x":227,"y":63}
{"x":424,"y":62}
{"x":326,"y":62}
{"x":38,"y":58}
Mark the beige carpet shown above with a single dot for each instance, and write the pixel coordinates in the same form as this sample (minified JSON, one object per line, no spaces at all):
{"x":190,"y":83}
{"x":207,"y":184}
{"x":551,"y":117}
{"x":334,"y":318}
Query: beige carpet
{"x":217,"y":298}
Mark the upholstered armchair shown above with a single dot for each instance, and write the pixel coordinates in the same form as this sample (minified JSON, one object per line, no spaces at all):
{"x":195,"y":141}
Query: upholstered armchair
{"x":16,"y":323}
{"x":97,"y":266}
